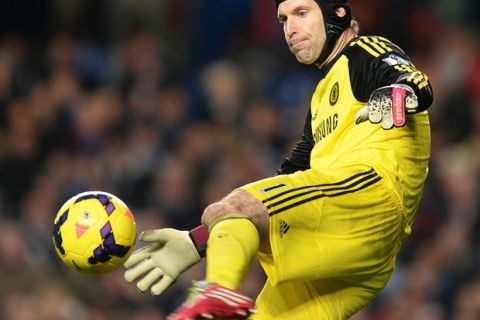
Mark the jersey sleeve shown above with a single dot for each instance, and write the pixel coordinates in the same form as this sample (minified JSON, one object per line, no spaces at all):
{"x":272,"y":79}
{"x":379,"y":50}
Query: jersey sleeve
{"x":375,"y":62}
{"x":300,"y":157}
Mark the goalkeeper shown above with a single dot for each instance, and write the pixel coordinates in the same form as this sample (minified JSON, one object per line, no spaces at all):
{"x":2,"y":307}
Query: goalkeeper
{"x":328,"y":227}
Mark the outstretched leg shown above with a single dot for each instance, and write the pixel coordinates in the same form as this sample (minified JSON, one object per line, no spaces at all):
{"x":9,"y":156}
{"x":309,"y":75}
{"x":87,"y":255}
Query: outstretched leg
{"x":238,"y":229}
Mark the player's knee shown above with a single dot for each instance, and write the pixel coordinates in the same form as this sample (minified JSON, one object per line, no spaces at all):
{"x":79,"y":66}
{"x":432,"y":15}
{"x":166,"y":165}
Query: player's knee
{"x":237,"y":203}
{"x":213,"y":212}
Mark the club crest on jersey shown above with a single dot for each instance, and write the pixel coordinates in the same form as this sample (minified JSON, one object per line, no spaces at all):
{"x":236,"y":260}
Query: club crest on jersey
{"x":334,"y":93}
{"x":394,"y":60}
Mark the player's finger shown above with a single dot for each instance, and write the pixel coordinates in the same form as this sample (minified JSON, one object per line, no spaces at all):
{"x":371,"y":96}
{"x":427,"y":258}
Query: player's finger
{"x":149,"y":279}
{"x":387,"y":118}
{"x":375,"y":111}
{"x":160,"y":236}
{"x":411,"y":103}
{"x":362,"y":115}
{"x":162,"y":285}
{"x":138,"y":256}
{"x":141,"y":268}
{"x":387,"y":123}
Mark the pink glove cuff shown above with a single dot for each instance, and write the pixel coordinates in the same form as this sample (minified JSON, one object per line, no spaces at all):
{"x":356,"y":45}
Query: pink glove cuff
{"x":199,"y":236}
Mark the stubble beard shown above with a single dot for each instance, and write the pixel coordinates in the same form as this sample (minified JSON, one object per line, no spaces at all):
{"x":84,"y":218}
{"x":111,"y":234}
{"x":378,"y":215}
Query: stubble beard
{"x":304,"y":56}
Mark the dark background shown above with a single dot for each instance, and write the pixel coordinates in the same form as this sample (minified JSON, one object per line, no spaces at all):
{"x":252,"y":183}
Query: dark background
{"x":171,"y":104}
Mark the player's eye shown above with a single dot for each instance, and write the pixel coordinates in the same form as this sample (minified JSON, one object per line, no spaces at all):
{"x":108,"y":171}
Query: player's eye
{"x":302,"y":13}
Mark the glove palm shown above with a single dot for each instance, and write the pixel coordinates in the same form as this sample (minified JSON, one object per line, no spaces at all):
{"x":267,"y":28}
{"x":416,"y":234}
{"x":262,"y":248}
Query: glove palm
{"x":159,"y":264}
{"x":387,"y":106}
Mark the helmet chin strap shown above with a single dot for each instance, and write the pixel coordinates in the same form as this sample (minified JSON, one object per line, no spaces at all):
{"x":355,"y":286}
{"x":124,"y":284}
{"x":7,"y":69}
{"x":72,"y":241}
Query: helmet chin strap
{"x":334,"y":25}
{"x":333,"y":34}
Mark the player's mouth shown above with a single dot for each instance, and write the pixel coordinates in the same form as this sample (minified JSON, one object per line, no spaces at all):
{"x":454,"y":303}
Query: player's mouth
{"x":297,"y":45}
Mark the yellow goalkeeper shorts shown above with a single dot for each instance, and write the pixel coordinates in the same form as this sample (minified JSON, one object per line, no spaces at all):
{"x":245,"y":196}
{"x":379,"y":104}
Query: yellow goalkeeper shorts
{"x":334,"y":238}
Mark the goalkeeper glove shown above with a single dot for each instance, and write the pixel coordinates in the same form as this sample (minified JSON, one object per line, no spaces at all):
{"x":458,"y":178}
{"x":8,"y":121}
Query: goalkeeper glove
{"x":387,"y":105}
{"x":159,"y":264}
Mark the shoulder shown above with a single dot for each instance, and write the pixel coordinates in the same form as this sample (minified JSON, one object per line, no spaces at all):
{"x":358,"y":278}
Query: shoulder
{"x":372,"y":61}
{"x":373,"y":47}
{"x":371,"y":51}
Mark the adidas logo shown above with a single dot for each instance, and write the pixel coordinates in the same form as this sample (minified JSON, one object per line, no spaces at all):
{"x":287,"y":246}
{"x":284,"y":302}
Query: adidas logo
{"x":284,"y":227}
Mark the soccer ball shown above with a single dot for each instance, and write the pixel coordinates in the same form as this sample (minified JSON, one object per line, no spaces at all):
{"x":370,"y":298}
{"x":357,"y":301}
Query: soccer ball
{"x":94,"y":232}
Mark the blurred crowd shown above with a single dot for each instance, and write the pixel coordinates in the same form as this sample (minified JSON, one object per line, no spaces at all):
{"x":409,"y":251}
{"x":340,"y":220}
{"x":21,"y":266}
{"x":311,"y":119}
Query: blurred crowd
{"x":171,"y":104}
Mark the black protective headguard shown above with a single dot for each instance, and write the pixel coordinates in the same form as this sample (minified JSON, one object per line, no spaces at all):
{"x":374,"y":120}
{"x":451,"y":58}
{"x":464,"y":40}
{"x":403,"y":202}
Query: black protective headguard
{"x":334,"y":25}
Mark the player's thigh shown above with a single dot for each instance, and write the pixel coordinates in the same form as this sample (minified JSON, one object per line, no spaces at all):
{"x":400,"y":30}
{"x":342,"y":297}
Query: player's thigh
{"x":320,"y":299}
{"x":325,"y":224}
{"x":292,"y":301}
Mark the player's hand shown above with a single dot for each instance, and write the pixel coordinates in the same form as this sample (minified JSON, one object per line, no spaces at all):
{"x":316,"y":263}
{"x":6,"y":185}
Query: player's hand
{"x":157,"y":265}
{"x":388,"y":105}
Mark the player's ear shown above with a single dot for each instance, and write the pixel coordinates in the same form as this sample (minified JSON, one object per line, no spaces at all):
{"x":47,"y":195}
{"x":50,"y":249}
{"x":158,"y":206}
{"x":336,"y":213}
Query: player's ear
{"x":340,"y":12}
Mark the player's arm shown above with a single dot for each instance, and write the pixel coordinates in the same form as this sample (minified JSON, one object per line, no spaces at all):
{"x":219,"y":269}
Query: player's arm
{"x":384,"y":77}
{"x":299,"y":160}
{"x":423,"y":90}
{"x":395,"y":67}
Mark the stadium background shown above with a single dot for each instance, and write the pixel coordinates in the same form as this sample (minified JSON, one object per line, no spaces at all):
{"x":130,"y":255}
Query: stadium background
{"x":170,"y":104}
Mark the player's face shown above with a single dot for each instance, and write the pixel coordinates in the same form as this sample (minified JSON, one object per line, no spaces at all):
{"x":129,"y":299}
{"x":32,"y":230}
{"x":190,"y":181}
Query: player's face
{"x":304,"y":28}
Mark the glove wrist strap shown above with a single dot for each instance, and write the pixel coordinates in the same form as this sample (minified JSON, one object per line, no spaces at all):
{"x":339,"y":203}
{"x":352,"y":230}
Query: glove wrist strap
{"x":398,"y":106}
{"x":199,"y":236}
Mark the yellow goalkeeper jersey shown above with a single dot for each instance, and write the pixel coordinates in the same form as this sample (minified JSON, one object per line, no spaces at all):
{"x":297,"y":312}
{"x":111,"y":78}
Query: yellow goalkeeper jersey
{"x":331,"y":141}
